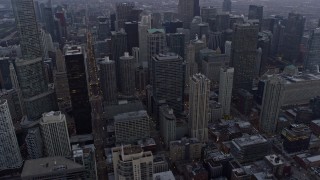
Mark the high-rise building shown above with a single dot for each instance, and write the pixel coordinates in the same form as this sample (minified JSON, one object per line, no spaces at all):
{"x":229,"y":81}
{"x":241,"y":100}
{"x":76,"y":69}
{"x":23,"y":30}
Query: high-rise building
{"x":243,"y":55}
{"x":123,"y":13}
{"x":37,"y":98}
{"x":296,"y":138}
{"x":85,"y":156}
{"x":156,"y":44}
{"x":27,"y":27}
{"x":313,"y":54}
{"x":225,"y":89}
{"x":185,"y":149}
{"x":168,"y":80}
{"x":103,"y":28}
{"x":187,"y":9}
{"x":156,"y":20}
{"x":52,"y":168}
{"x":191,"y":64}
{"x":171,"y":26}
{"x":272,"y":101}
{"x":226,"y":6}
{"x":77,"y":80}
{"x":55,"y":134}
{"x":132,"y":126}
{"x":132,"y":162}
{"x":10,"y":157}
{"x":167,"y":124}
{"x":256,"y":12}
{"x":132,"y":31}
{"x":118,"y":47}
{"x":143,"y":27}
{"x":199,"y":106}
{"x":34,"y":143}
{"x":212,"y":64}
{"x":49,"y":20}
{"x":208,"y":13}
{"x":176,"y":43}
{"x":292,"y":37}
{"x":223,"y":21}
{"x":127,"y":74}
{"x":108,"y":80}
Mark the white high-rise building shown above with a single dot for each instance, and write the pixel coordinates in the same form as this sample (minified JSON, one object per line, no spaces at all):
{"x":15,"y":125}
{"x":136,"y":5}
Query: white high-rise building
{"x":10,"y":157}
{"x":225,"y":88}
{"x":199,"y":106}
{"x":131,"y":162}
{"x":55,"y":134}
{"x":273,"y":95}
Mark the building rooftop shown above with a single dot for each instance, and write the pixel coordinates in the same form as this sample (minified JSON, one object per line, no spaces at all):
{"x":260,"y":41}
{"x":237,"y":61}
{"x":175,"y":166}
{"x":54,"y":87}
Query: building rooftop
{"x":156,"y":31}
{"x":73,"y":50}
{"x":167,"y":112}
{"x":114,"y":110}
{"x":167,"y":175}
{"x":48,"y":165}
{"x":250,"y":140}
{"x":167,"y":56}
{"x":274,"y":160}
{"x":132,"y":150}
{"x":130,"y":115}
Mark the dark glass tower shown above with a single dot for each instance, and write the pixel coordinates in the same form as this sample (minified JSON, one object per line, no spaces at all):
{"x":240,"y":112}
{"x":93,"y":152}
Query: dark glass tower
{"x":131,"y":29}
{"x":77,"y":80}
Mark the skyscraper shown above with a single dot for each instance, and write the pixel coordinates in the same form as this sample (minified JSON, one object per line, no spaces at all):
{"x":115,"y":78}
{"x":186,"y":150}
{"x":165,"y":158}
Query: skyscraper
{"x":167,"y":124}
{"x":103,"y":28}
{"x":187,"y":9}
{"x":156,"y":44}
{"x":225,"y":89}
{"x":77,"y":80}
{"x":272,"y":101}
{"x":168,"y":80}
{"x":199,"y":107}
{"x":292,"y":36}
{"x":123,"y":12}
{"x":176,"y":43}
{"x":118,"y":47}
{"x":243,"y":55}
{"x":10,"y":157}
{"x":313,"y":54}
{"x":108,"y":80}
{"x":55,"y":135}
{"x":132,"y":31}
{"x":27,"y":27}
{"x":34,"y":143}
{"x":127,"y":74}
{"x":255,"y":12}
{"x":143,"y":27}
{"x":226,"y":6}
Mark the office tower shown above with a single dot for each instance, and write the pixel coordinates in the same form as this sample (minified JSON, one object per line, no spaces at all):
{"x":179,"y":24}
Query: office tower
{"x":34,"y":143}
{"x":156,"y":44}
{"x":27,"y":28}
{"x":169,"y":16}
{"x":222,"y":21}
{"x":14,"y":104}
{"x":171,"y":26}
{"x":141,"y":78}
{"x":10,"y":157}
{"x":143,"y":27}
{"x":37,"y":98}
{"x":225,"y":89}
{"x":292,"y":36}
{"x":243,"y":55}
{"x":118,"y":47}
{"x":199,"y":106}
{"x":62,"y":28}
{"x":113,"y":22}
{"x":123,"y":13}
{"x":198,"y":44}
{"x":136,"y":55}
{"x":296,"y":138}
{"x":194,"y":26}
{"x":227,"y":48}
{"x":176,"y":43}
{"x":256,"y":12}
{"x":61,"y":83}
{"x":127,"y":74}
{"x":250,"y":148}
{"x":315,"y":106}
{"x":52,"y":168}
{"x":49,"y":20}
{"x":55,"y":134}
{"x":272,"y":100}
{"x":167,"y":124}
{"x":187,"y":9}
{"x":216,"y":40}
{"x":313,"y":54}
{"x":77,"y":80}
{"x":168,"y":80}
{"x":108,"y":80}
{"x":226,"y":6}
{"x":132,"y":162}
{"x":191,"y":64}
{"x":85,"y":156}
{"x":132,"y":31}
{"x":185,"y":149}
{"x":5,"y":80}
{"x":245,"y":101}
{"x":156,"y":20}
{"x":16,"y":87}
{"x":132,"y":126}
{"x":264,"y":42}
{"x":208,"y":13}
{"x":215,"y":111}
{"x":135,"y":14}
{"x":103,"y":28}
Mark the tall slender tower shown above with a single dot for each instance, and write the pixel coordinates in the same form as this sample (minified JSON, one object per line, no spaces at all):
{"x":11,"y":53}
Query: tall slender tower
{"x":143,"y":27}
{"x":226,"y":6}
{"x":95,"y":96}
{"x":108,"y":80}
{"x":313,"y":53}
{"x":10,"y":157}
{"x":187,"y":9}
{"x":272,"y":100}
{"x":199,"y":106}
{"x":127,"y":74}
{"x":225,"y":89}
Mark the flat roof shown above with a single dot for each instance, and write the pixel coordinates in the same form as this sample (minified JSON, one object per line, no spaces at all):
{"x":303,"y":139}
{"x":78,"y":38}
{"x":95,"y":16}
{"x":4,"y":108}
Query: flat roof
{"x":48,"y":165}
{"x":250,"y":140}
{"x":128,"y":116}
{"x":167,"y":175}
